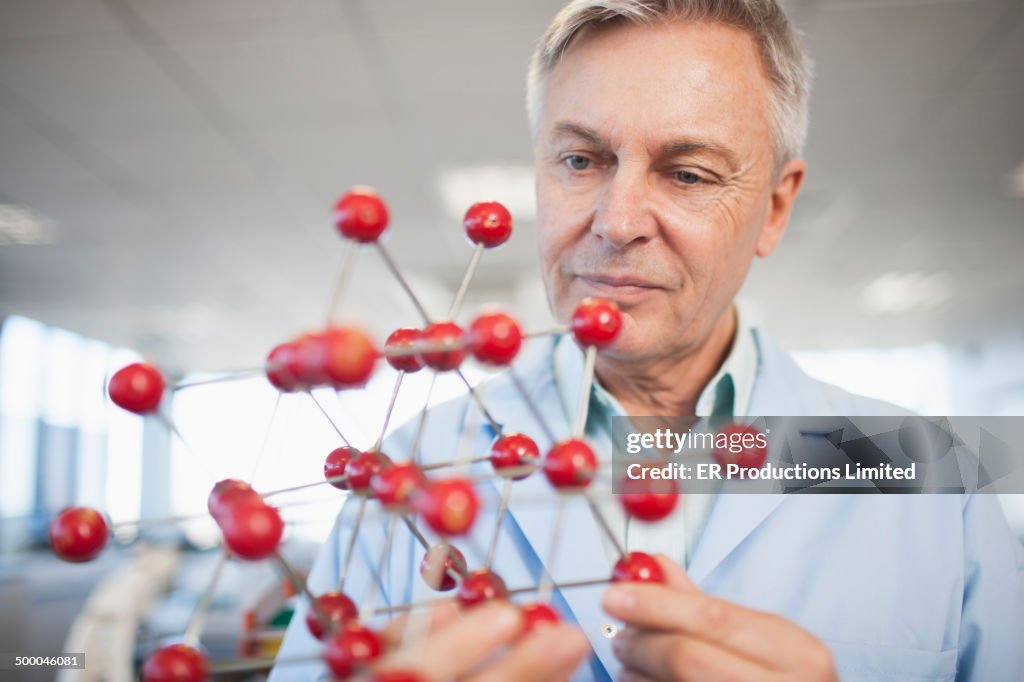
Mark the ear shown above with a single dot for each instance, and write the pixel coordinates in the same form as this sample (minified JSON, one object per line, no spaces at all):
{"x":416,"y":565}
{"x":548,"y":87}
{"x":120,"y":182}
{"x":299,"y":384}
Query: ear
{"x":782,"y":198}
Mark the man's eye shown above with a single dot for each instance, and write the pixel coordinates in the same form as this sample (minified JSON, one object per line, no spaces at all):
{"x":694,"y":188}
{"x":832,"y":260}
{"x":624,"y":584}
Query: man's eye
{"x":688,"y":178}
{"x":577,"y":162}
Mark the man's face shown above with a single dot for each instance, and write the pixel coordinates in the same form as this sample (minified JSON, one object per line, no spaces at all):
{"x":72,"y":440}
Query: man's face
{"x":654,"y":179}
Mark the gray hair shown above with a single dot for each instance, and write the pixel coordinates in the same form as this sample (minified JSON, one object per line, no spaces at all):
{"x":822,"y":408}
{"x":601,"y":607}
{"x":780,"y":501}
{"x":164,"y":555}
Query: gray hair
{"x":786,"y":63}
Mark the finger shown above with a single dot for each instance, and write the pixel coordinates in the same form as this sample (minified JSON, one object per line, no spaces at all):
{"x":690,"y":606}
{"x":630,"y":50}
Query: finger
{"x":438,"y":616}
{"x":756,"y":635}
{"x":549,"y":654}
{"x":665,"y":656}
{"x":458,"y":647}
{"x":675,"y":576}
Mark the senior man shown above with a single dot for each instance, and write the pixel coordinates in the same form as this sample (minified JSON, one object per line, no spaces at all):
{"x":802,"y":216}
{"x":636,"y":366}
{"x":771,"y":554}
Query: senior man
{"x":668,"y":139}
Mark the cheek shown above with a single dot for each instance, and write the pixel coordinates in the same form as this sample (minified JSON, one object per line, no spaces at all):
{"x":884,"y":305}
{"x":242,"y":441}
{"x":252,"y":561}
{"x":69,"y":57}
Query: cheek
{"x":548,"y":239}
{"x":719,"y":256}
{"x":709,"y":248}
{"x":557,"y":224}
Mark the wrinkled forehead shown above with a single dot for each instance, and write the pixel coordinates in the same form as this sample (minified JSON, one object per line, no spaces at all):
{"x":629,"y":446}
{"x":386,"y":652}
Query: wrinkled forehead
{"x":634,"y":82}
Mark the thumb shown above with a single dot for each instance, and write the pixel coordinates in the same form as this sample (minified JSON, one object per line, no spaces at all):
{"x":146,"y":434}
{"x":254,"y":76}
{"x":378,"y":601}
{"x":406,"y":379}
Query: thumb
{"x":675,"y":575}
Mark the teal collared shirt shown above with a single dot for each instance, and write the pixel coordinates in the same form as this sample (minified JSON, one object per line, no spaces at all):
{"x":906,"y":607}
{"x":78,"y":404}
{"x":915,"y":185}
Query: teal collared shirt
{"x":726,"y":394}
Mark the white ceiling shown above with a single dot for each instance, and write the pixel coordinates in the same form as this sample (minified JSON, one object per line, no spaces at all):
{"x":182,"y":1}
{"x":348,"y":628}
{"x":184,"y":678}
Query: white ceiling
{"x":189,"y":152}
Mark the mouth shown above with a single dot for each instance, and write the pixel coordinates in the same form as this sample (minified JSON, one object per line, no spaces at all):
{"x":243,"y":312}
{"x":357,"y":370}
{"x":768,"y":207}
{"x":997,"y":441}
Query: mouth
{"x":612,"y":285}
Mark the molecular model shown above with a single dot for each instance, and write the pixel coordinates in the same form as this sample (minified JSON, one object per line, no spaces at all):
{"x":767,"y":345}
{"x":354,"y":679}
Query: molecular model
{"x":343,"y":358}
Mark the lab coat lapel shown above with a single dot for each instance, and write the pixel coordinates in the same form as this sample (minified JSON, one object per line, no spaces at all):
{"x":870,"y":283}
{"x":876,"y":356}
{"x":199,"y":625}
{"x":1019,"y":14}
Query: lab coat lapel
{"x":781,"y":388}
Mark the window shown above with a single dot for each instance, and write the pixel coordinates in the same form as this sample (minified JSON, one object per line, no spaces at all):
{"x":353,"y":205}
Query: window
{"x":62,"y":442}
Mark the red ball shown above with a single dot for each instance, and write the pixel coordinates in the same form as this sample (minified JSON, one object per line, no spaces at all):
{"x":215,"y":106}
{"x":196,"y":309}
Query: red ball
{"x":649,"y":499}
{"x":360,"y":471}
{"x":742,"y":445}
{"x":400,"y":342}
{"x":229,"y":493}
{"x":137,"y":388}
{"x":514,"y":452}
{"x":78,"y":534}
{"x":298,"y":364}
{"x":495,"y":339}
{"x":596,"y":322}
{"x":448,"y":335}
{"x":394,"y":485}
{"x":570,"y":464}
{"x":353,"y":646}
{"x":332,"y":610}
{"x":637,"y":567}
{"x":361,"y":215}
{"x":252,"y":530}
{"x":488,"y":223}
{"x":309,"y":358}
{"x":479,"y":586}
{"x":449,"y":506}
{"x":348,"y":357}
{"x":538,"y":616}
{"x":439,"y":562}
{"x":282,"y":367}
{"x":175,"y":663}
{"x":336,"y":462}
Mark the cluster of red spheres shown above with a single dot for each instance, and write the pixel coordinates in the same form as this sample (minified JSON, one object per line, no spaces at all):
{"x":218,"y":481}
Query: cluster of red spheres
{"x":341,"y":357}
{"x":344,"y":357}
{"x":493,"y":339}
{"x":252,"y":528}
{"x":448,"y":505}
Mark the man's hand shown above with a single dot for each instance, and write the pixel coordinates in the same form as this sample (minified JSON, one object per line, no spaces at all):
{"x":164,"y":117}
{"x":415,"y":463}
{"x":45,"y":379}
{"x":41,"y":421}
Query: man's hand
{"x":485,"y":644}
{"x":676,"y":632}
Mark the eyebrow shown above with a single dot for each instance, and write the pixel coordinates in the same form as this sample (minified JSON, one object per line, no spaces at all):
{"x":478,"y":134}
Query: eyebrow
{"x":687,"y":147}
{"x":570,"y":129}
{"x":680,"y":147}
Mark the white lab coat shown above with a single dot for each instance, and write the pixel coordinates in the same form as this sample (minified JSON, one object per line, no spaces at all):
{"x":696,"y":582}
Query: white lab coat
{"x":900,"y":587}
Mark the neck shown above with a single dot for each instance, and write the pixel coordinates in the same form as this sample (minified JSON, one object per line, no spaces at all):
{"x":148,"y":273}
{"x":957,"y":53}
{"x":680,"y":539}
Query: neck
{"x":668,"y":386}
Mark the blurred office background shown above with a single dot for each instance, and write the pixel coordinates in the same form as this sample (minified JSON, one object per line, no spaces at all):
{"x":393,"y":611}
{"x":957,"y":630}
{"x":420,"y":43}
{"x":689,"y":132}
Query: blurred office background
{"x":167,"y":171}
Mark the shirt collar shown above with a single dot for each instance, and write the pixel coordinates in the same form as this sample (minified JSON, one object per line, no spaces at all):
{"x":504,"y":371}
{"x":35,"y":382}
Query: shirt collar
{"x":736,"y":373}
{"x":728,"y":392}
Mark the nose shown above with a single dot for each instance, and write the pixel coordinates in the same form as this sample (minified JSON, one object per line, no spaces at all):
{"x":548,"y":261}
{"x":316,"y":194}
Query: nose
{"x":624,"y":215}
